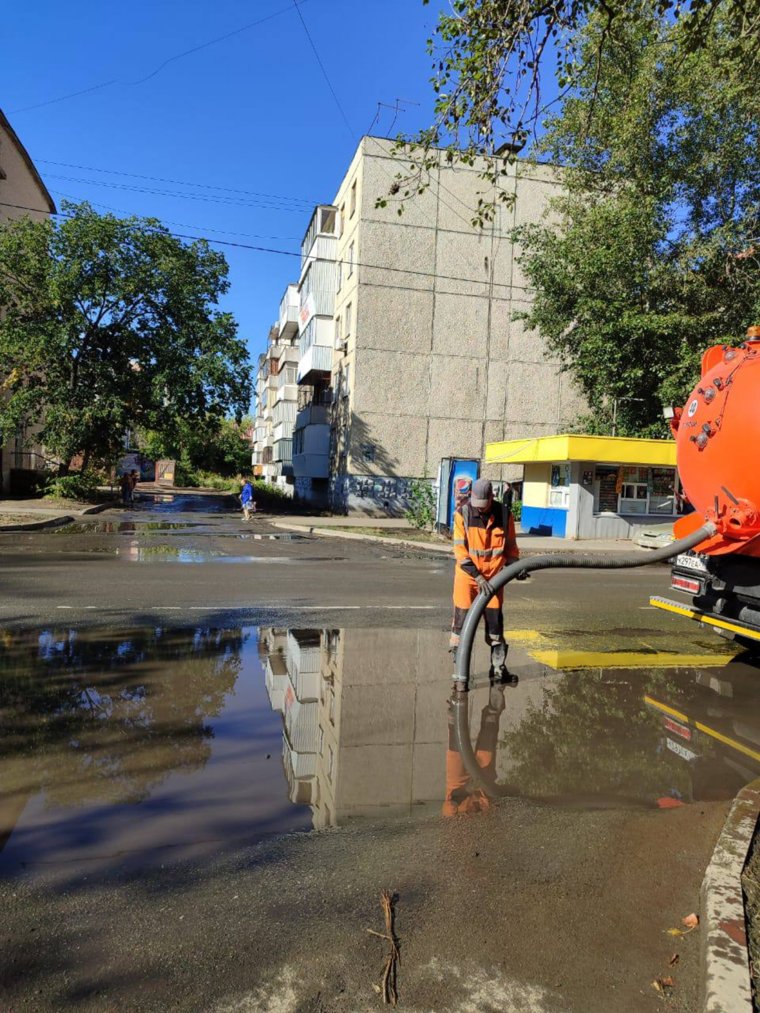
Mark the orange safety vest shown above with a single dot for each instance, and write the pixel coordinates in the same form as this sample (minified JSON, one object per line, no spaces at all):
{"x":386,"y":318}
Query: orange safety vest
{"x":490,"y":543}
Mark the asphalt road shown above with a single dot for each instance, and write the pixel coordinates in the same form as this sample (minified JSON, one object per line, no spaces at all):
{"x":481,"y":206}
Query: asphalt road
{"x":562,"y":904}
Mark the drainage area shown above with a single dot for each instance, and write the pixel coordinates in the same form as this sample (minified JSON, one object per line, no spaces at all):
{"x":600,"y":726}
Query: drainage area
{"x":127,"y":748}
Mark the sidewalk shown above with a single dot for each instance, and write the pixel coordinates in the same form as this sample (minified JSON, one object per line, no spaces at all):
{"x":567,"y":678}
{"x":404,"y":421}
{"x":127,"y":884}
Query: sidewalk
{"x":397,"y":528}
{"x":50,"y":514}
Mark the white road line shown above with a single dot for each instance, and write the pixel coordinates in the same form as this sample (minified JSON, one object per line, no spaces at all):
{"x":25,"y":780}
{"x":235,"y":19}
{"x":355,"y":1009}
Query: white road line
{"x":280,"y":607}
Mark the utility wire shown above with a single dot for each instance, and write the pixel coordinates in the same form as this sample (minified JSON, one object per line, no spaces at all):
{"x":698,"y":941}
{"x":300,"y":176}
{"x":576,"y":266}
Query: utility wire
{"x":204,"y":198}
{"x":341,"y":110}
{"x":182,"y":225}
{"x":179,"y":182}
{"x":165,"y":63}
{"x":291,"y":253}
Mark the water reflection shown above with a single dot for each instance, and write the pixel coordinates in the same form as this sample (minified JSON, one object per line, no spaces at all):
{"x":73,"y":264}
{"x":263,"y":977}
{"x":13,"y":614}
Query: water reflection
{"x":123,"y":746}
{"x":127,"y":742}
{"x":366,"y":731}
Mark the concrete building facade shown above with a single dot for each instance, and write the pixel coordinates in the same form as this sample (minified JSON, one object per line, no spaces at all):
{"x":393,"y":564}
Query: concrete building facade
{"x":276,"y":397}
{"x":22,"y":194}
{"x":428,"y":359}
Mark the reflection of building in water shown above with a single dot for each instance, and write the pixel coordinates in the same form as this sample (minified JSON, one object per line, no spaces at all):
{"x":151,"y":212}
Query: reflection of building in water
{"x":364,"y":720}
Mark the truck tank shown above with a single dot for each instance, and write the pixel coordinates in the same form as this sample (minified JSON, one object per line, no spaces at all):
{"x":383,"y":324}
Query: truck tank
{"x":718,"y":448}
{"x":717,"y":434}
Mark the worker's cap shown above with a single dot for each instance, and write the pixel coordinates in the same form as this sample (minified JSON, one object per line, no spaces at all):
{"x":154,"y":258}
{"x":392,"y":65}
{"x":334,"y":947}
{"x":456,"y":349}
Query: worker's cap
{"x":482,"y":493}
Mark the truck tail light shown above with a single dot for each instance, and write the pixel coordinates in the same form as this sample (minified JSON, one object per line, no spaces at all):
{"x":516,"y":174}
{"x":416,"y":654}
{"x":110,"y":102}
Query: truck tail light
{"x":685,"y":584}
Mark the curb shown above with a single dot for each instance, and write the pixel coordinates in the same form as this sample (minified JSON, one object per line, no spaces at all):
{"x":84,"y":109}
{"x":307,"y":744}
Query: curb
{"x":726,"y":981}
{"x":51,"y":522}
{"x":379,"y":539}
{"x":445,"y":548}
{"x":98,"y":508}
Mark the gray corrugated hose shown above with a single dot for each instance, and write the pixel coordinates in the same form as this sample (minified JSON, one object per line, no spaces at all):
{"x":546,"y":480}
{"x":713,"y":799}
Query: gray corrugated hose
{"x":464,"y":651}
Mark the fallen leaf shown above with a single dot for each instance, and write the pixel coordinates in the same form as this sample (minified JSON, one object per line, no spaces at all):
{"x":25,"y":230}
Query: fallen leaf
{"x":667,"y":982}
{"x":660,"y":984}
{"x":675,"y":932}
{"x":656,"y":985}
{"x":690,"y":921}
{"x":673,"y":960}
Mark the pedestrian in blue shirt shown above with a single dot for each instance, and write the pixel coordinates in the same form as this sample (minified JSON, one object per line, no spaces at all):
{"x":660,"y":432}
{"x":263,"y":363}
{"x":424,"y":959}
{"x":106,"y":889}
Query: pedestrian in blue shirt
{"x":246,"y":498}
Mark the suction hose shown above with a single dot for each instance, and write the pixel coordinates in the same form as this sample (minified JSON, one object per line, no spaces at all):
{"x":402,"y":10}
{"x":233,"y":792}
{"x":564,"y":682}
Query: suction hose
{"x":561,"y":562}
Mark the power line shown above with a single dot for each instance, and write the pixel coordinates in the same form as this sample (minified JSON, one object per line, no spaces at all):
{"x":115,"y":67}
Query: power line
{"x":205,"y":198}
{"x":291,"y":253}
{"x":182,"y":225}
{"x":341,"y":110}
{"x":179,"y":182}
{"x":171,"y":59}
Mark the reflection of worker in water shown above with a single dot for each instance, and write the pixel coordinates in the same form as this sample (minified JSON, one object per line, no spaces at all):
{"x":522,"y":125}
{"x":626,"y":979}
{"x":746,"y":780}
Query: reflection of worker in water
{"x":462,"y":796}
{"x":484,"y":542}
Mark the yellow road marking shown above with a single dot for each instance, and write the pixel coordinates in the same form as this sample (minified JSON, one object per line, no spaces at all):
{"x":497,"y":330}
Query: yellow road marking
{"x":702,"y":617}
{"x":627,"y":659}
{"x":738,"y":746}
{"x":523,"y":636}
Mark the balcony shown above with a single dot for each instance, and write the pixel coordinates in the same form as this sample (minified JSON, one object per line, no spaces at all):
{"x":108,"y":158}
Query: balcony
{"x":317,"y":359}
{"x":282,"y":451}
{"x":311,"y":443}
{"x":313,"y":414}
{"x":289,"y":309}
{"x":323,"y":222}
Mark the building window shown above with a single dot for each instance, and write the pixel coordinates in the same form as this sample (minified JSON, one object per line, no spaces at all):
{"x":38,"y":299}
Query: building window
{"x":635,"y":490}
{"x":340,"y":274}
{"x":353,"y":198}
{"x":368,"y":452}
{"x":351,"y":259}
{"x":633,"y":498}
{"x":347,"y":327}
{"x":338,"y":333}
{"x":346,"y":384}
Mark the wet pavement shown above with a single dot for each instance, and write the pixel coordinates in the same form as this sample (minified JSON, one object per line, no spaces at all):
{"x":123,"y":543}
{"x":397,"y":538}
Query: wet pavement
{"x":170,"y":734}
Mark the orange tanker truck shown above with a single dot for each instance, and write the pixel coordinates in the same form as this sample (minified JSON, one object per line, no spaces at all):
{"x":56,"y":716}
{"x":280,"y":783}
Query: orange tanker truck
{"x":717,"y":434}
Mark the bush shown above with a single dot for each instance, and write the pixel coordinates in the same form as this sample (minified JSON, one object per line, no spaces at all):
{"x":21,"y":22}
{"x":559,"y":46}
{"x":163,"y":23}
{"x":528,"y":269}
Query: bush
{"x":421,"y":512}
{"x":268,"y":496}
{"x":517,"y":509}
{"x":77,"y":486}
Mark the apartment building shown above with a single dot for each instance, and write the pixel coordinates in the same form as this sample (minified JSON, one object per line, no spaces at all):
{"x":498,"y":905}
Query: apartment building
{"x":276,"y":397}
{"x":427,"y":359}
{"x":22,"y":193}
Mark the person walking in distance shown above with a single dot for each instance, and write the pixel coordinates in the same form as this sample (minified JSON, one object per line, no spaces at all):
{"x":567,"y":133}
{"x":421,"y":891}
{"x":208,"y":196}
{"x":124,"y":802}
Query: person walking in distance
{"x":246,"y":498}
{"x":484,"y":543}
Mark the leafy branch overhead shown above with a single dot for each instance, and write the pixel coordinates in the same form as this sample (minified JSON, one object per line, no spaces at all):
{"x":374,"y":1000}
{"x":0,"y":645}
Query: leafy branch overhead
{"x":501,"y":66}
{"x":109,"y":324}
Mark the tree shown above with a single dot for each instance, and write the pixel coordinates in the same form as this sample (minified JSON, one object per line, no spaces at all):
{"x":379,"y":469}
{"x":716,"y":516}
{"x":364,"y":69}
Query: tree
{"x":109,"y":323}
{"x":650,"y":255}
{"x":500,"y":65}
{"x":219,"y":446}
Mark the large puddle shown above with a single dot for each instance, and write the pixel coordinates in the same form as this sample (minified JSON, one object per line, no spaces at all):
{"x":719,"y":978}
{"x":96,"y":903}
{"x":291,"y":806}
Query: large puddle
{"x":124,"y":748}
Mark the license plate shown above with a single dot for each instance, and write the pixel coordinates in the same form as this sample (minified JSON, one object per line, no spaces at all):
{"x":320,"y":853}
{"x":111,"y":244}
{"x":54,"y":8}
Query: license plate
{"x":679,"y":750}
{"x":690,"y":563}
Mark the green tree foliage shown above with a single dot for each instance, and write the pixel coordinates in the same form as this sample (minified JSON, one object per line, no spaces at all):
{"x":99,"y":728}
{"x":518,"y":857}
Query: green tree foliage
{"x":110,"y":323}
{"x":500,"y":65}
{"x":221,"y":447}
{"x":650,"y":255}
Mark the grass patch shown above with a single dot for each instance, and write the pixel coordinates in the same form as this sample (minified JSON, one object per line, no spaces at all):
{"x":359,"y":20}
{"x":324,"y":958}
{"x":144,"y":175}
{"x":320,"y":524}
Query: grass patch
{"x":751,"y":885}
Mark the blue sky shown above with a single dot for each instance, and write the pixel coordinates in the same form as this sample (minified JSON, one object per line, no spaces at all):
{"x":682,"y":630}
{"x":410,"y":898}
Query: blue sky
{"x":249,"y":113}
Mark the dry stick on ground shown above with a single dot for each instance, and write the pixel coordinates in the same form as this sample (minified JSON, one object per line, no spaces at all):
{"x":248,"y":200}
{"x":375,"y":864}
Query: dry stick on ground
{"x":388,"y":988}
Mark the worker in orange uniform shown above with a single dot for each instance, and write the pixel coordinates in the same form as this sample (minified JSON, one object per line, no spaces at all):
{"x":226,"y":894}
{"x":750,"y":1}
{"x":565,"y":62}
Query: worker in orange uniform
{"x":484,"y":542}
